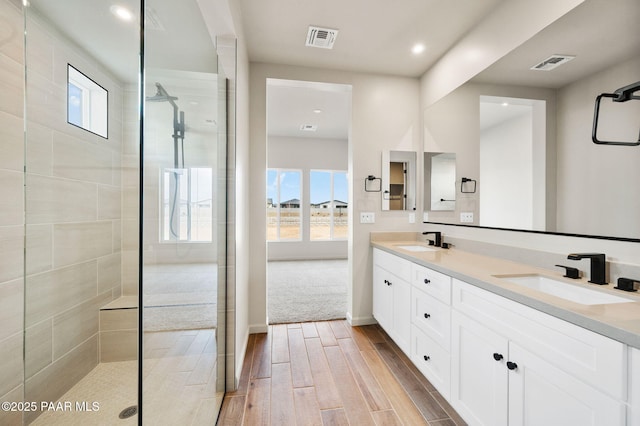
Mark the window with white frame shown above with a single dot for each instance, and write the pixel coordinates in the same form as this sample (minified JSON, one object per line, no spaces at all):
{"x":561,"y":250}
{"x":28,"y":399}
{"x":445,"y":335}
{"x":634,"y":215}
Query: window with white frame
{"x":284,"y":194}
{"x":87,"y":103}
{"x":187,"y":204}
{"x":328,"y":211}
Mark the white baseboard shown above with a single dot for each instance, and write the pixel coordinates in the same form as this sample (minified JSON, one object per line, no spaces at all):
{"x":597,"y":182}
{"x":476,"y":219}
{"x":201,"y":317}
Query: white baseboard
{"x":258,"y":328}
{"x":240,"y":360}
{"x":358,"y":321}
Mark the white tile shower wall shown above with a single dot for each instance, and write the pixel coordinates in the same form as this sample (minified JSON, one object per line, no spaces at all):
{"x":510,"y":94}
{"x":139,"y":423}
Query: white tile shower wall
{"x":11,"y":224}
{"x":73,"y":213}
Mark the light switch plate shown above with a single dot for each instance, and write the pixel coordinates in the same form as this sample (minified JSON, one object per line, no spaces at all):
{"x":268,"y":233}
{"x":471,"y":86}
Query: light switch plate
{"x":367,"y":217}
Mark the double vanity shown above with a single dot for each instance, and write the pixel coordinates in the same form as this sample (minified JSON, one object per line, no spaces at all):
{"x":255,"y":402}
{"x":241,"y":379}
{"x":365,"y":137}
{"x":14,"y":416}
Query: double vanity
{"x":507,"y":343}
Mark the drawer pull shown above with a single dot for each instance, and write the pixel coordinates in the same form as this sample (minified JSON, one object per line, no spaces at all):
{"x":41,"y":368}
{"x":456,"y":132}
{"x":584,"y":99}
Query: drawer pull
{"x":427,"y":315}
{"x":497,"y":356}
{"x":387,"y":282}
{"x":426,"y":357}
{"x":511,"y":365}
{"x":427,"y":280}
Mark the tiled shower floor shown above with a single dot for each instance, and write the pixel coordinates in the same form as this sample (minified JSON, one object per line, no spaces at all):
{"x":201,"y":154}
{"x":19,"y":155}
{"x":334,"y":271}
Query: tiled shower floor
{"x":179,"y":385}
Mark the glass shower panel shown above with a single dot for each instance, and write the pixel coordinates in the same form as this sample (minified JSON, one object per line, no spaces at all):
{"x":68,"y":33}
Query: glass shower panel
{"x":81,"y":156}
{"x":184,"y":218}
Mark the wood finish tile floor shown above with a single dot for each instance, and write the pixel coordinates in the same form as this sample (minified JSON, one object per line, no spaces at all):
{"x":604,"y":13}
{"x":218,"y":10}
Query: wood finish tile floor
{"x":329,"y":373}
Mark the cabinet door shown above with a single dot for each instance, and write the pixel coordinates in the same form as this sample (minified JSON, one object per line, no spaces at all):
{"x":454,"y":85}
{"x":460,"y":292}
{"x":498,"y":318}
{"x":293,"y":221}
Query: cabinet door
{"x":633,"y":416}
{"x":432,"y":317}
{"x":478,"y":372}
{"x":382,"y":298}
{"x":402,"y":314}
{"x":541,"y":394}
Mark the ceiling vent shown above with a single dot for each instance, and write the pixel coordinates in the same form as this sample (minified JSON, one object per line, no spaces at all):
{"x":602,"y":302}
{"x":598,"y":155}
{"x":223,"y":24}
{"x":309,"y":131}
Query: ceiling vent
{"x":309,"y":127}
{"x":553,"y":61}
{"x":152,"y":20}
{"x":321,"y":37}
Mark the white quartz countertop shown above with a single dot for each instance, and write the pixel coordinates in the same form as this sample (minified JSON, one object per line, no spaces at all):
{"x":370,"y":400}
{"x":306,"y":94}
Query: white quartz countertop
{"x":619,"y":321}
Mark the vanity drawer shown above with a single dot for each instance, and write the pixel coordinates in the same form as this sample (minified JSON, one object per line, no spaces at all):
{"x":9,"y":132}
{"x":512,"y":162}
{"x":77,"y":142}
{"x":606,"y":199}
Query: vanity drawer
{"x":400,"y":267}
{"x":432,"y":282}
{"x":591,"y":357}
{"x":432,"y":361}
{"x":432,"y":317}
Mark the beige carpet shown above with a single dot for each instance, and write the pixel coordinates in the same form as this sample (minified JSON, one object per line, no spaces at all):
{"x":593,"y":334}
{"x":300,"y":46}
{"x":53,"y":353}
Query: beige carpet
{"x":309,"y":290}
{"x":180,"y":296}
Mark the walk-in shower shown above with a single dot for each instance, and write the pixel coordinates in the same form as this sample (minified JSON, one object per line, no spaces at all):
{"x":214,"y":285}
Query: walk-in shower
{"x":177,"y":174}
{"x":111,"y":304}
{"x":178,"y":123}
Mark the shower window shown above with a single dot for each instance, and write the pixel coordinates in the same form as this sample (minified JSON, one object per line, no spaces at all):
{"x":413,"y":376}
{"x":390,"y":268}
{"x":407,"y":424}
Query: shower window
{"x":87,"y":103}
{"x":284,"y":192}
{"x":328,"y":192}
{"x":187,"y":204}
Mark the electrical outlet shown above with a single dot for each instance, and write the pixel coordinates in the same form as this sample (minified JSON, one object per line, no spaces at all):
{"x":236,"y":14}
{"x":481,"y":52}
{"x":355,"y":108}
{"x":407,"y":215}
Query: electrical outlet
{"x":367,"y":217}
{"x":412,"y":218}
{"x":466,"y":217}
{"x":425,"y":217}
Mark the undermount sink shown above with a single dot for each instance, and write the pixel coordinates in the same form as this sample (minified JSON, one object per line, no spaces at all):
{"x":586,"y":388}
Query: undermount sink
{"x":564,"y":290}
{"x":415,"y":247}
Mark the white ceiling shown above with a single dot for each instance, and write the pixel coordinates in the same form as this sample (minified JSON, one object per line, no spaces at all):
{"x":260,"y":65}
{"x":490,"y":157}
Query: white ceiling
{"x":291,"y":104}
{"x":376,"y":37}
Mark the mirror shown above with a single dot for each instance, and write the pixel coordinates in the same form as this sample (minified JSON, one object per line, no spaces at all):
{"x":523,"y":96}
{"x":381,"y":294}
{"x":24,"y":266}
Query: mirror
{"x":399,"y":180}
{"x":440,"y":181}
{"x":573,"y":185}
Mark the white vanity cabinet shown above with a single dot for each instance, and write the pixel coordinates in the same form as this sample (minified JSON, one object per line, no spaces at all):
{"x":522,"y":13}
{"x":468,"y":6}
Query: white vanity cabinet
{"x":392,"y":296}
{"x":633,"y":411}
{"x":431,"y":326}
{"x":499,"y":362}
{"x":501,"y":376}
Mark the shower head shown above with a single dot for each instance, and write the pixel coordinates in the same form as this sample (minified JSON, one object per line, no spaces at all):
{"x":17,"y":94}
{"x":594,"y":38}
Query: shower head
{"x":161,"y":95}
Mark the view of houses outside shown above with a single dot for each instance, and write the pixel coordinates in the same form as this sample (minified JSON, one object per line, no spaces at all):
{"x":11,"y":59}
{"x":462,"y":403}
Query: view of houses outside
{"x":328,"y":207}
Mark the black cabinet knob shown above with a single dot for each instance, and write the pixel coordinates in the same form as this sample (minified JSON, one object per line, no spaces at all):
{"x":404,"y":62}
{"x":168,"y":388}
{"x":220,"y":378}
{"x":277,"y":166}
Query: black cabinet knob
{"x":387,"y":282}
{"x":427,"y":357}
{"x":511,"y":365}
{"x":427,"y":280}
{"x":497,"y":356}
{"x":427,"y":315}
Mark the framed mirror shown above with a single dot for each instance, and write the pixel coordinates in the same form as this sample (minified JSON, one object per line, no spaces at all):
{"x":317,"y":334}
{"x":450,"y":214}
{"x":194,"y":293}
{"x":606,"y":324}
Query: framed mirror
{"x":399,"y":180}
{"x":577,"y":187}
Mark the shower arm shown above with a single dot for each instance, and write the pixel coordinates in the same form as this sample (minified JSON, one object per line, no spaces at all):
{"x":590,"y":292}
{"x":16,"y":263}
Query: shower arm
{"x":623,"y":94}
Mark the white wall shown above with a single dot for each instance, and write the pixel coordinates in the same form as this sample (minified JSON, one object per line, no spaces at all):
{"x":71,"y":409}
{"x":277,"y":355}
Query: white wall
{"x":598,"y":178}
{"x":385,"y":115}
{"x":307,"y":154}
{"x":506,"y":174}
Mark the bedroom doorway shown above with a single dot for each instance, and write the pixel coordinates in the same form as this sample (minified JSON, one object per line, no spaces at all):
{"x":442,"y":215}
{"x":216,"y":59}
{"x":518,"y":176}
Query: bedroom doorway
{"x":307,"y":198}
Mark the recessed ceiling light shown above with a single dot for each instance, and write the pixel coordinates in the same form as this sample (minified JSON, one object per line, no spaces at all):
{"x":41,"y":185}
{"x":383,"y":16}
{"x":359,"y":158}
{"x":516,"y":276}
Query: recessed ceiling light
{"x":317,"y":111}
{"x":122,"y":12}
{"x":418,"y":48}
{"x":505,"y":104}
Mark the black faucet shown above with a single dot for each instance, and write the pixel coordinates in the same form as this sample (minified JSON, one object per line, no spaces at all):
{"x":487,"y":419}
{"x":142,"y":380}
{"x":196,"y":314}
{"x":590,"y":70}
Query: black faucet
{"x":598,"y":263}
{"x":438,"y":235}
